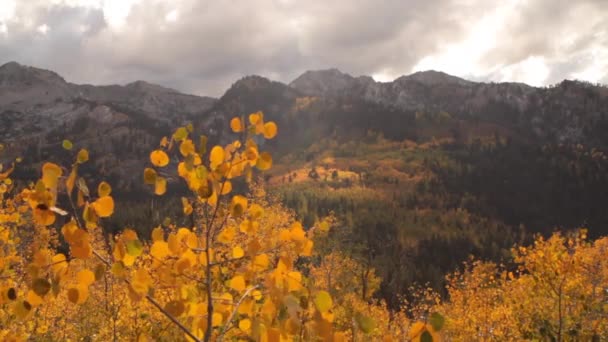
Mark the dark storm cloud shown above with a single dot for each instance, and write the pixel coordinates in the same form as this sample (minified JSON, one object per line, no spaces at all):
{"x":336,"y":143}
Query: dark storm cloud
{"x":211,"y":44}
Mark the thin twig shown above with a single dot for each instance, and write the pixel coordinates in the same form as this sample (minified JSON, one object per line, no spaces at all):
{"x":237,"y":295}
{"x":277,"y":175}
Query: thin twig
{"x":233,"y":313}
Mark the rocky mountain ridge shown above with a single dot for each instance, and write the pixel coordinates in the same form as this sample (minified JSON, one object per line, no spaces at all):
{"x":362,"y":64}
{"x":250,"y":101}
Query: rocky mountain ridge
{"x":38,"y":109}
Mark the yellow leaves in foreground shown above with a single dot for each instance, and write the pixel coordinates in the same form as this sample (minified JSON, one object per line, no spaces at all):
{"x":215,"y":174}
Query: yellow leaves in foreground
{"x":245,"y":324}
{"x":186,"y":148}
{"x":159,"y":158}
{"x":237,"y":252}
{"x":104,"y":206}
{"x":238,"y":283}
{"x":141,"y":282}
{"x":159,"y":250}
{"x":236,"y":125}
{"x":86,"y":277}
{"x":323,"y":301}
{"x":270,"y":130}
{"x":104,"y":189}
{"x":50,"y":175}
{"x":216,"y":157}
{"x":82,"y":156}
{"x":160,"y":186}
{"x":149,"y":176}
{"x":238,"y":205}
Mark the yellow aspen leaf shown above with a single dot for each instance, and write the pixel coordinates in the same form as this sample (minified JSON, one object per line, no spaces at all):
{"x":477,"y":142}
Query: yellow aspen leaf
{"x":78,"y":294}
{"x":297,"y":233}
{"x":264,"y":162}
{"x":226,"y":235}
{"x":104,"y":206}
{"x":180,"y":134}
{"x":257,"y":295}
{"x":307,"y":248}
{"x":83,"y":251}
{"x":269,"y":310}
{"x":186,"y":148}
{"x":158,"y":234}
{"x":141,"y":281}
{"x":129,"y":235}
{"x":284,"y":235}
{"x":159,"y":249}
{"x":246,"y":307}
{"x":86,"y":277}
{"x":82,"y":156}
{"x":41,"y":286}
{"x":205,"y":190}
{"x":328,"y":316}
{"x":236,"y":125}
{"x":238,"y":252}
{"x":149,"y":176}
{"x":216,"y":157}
{"x":182,"y":265}
{"x":416,"y":330}
{"x":159,"y":158}
{"x":59,"y":264}
{"x":238,"y":283}
{"x":160,"y":186}
{"x":187,"y":207}
{"x":50,"y":175}
{"x":33,"y":298}
{"x":192,"y":240}
{"x":365,"y":323}
{"x":245,"y":324}
{"x":67,"y":145}
{"x":238,"y":205}
{"x":323,"y":301}
{"x":270,"y":130}
{"x":71,"y":180}
{"x":246,"y":227}
{"x":253,"y":247}
{"x":256,"y":211}
{"x":104,"y":189}
{"x":252,"y":155}
{"x":255,"y":118}
{"x":261,"y":262}
{"x":134,"y":247}
{"x":164,"y":142}
{"x":294,"y":281}
{"x":175,"y":308}
{"x":44,"y":217}
{"x":226,"y":187}
{"x":217,"y":319}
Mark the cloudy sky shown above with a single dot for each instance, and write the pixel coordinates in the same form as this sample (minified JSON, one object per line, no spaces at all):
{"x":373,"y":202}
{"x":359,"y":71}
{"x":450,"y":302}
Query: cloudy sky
{"x":203,"y":46}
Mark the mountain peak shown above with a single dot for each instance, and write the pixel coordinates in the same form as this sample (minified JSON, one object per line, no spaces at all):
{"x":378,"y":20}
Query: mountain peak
{"x":13,"y":73}
{"x":326,"y":81}
{"x":433,"y":77}
{"x":12,"y":65}
{"x":149,"y":87}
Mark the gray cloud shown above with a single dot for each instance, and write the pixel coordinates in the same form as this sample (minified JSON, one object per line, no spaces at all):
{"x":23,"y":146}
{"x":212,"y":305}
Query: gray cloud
{"x":213,"y":43}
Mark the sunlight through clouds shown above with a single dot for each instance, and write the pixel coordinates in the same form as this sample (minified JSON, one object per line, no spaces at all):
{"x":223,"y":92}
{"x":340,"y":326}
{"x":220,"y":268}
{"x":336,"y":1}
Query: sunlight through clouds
{"x":534,"y":41}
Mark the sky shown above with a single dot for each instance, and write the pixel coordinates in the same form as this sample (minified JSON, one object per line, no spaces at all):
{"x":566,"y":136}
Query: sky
{"x":203,"y":46}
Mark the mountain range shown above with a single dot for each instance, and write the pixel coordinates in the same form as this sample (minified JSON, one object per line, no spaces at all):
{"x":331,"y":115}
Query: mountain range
{"x":120,"y":124}
{"x":420,"y":172}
